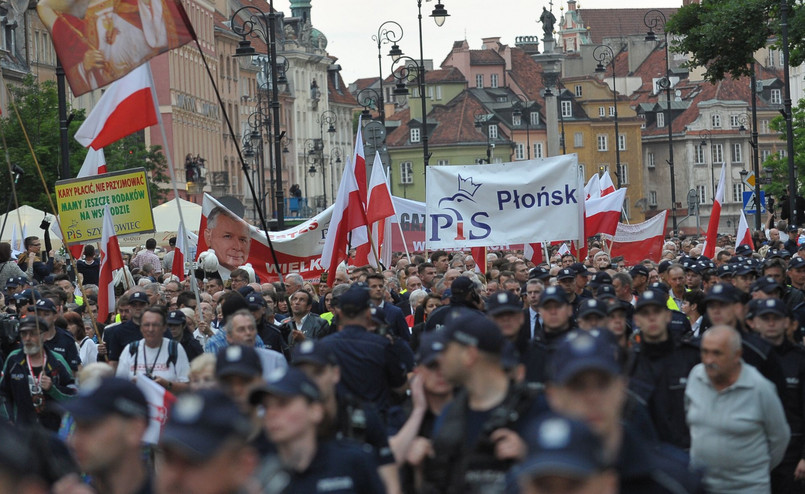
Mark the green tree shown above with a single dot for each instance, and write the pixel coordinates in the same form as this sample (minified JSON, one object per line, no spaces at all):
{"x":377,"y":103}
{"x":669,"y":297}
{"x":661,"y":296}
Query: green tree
{"x":37,"y":104}
{"x":723,"y":35}
{"x":131,"y":152}
{"x":778,"y":164}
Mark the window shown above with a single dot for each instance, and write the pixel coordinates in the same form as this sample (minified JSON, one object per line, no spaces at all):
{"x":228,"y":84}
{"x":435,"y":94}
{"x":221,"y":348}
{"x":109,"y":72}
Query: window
{"x":776,"y":97}
{"x":660,"y":119}
{"x":738,"y":192}
{"x":611,"y":111}
{"x":517,"y":120}
{"x":764,"y":154}
{"x":479,"y":80}
{"x":718,"y":153}
{"x":601,"y":111}
{"x":567,"y":109}
{"x":715,"y":120}
{"x":493,"y":131}
{"x":406,"y":172}
{"x":735,"y":121}
{"x":699,"y":158}
{"x":771,"y":57}
{"x":764,"y":126}
{"x":493,"y":80}
{"x":652,"y":198}
{"x":737,"y":153}
{"x":578,"y":140}
{"x":702,"y":190}
{"x":534,"y":116}
{"x":578,"y":90}
{"x":438,"y":92}
{"x":443,"y":162}
{"x":623,"y":173}
{"x":415,"y":134}
{"x":621,"y":142}
{"x":782,"y":153}
{"x":538,"y":150}
{"x":650,"y":160}
{"x":519,"y":151}
{"x":602,"y":142}
{"x":430,"y":92}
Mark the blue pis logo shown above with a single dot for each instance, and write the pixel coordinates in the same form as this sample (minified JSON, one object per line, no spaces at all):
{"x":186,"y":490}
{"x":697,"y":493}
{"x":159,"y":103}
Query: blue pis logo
{"x":452,"y":217}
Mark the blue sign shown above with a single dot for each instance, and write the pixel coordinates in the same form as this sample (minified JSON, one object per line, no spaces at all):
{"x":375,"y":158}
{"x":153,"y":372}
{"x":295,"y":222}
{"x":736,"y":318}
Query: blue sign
{"x":749,"y":202}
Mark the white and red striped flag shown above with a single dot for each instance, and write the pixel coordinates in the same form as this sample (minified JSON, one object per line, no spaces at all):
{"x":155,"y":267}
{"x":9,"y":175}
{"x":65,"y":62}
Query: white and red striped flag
{"x":379,"y":207}
{"x":640,"y":241}
{"x":602,"y":214}
{"x":111,"y":259}
{"x":177,"y":267}
{"x":348,"y":217}
{"x":593,"y":188}
{"x":126,"y":107}
{"x":94,"y":164}
{"x":160,"y":401}
{"x":533,"y":253}
{"x":606,"y":185}
{"x":715,"y":215}
{"x":362,"y":251}
{"x":744,"y":236}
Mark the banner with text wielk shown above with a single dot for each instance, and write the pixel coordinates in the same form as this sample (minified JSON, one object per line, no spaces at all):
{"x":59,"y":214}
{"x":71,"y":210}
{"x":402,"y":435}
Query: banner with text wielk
{"x":520,"y":202}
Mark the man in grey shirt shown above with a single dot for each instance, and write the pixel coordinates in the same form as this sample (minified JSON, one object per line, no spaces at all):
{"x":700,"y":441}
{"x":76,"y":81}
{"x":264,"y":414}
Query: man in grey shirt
{"x":737,"y":425}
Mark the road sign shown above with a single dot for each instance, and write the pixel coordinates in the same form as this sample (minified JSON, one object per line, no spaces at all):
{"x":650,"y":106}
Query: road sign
{"x":750,"y":180}
{"x":749,"y":201}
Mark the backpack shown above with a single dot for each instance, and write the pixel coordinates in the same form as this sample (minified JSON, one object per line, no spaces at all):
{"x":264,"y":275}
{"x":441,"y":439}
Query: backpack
{"x":173,"y":352}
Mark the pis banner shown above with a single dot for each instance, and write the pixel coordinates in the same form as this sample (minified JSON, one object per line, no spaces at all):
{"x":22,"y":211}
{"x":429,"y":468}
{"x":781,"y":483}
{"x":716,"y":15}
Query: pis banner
{"x":81,"y":201}
{"x":521,"y":202}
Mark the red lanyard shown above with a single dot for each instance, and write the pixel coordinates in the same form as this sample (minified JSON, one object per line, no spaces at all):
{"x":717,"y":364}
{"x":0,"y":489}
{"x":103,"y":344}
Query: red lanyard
{"x":31,"y":369}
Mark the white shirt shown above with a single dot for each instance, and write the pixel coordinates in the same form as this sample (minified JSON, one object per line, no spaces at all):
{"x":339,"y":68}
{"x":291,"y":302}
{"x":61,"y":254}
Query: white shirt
{"x":88,"y":351}
{"x":202,"y":338}
{"x":154,"y":361}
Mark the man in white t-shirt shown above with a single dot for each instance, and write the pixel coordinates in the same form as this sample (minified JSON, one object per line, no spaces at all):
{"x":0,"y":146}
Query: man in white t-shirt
{"x":155,"y":356}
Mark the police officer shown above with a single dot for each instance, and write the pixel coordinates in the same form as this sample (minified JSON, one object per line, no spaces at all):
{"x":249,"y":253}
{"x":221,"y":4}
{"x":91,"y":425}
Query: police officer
{"x":772,"y":321}
{"x":346,"y":417}
{"x":506,"y":309}
{"x":205,"y":448}
{"x":268,"y":332}
{"x":370,"y":366}
{"x":591,"y":314}
{"x":659,"y":369}
{"x":56,"y":339}
{"x":111,"y":418}
{"x":464,"y":294}
{"x":478,"y":436}
{"x":587,"y":383}
{"x":35,"y":378}
{"x":293,"y":413}
{"x":176,"y":322}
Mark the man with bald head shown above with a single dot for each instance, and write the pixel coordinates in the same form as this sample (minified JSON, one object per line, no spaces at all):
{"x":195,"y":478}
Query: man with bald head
{"x":738,"y":429}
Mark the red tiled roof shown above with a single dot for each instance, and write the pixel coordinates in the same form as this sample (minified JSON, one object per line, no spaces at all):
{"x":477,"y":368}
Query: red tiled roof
{"x":616,"y":23}
{"x":485,"y":57}
{"x":341,"y":95}
{"x":450,"y":74}
{"x":364,"y":82}
{"x":526,"y":74}
{"x":454,"y":123}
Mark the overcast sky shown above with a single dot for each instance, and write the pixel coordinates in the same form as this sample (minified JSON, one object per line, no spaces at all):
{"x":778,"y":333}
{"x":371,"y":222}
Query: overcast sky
{"x":350,"y":24}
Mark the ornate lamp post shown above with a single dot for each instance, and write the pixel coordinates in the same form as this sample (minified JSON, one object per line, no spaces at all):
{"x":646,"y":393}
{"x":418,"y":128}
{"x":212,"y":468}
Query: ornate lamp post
{"x":652,"y":20}
{"x":604,"y":55}
{"x":482,"y":118}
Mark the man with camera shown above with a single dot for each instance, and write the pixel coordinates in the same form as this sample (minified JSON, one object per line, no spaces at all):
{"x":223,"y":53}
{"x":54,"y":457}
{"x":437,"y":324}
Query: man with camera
{"x":34,"y":378}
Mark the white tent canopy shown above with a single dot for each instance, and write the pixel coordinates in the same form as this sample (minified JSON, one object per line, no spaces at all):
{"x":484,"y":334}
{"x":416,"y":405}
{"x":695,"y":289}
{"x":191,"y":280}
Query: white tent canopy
{"x":30,"y":218}
{"x":166,"y":216}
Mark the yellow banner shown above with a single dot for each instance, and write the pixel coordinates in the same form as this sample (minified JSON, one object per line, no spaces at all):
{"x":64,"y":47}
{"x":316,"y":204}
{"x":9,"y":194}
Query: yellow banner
{"x":81,"y":203}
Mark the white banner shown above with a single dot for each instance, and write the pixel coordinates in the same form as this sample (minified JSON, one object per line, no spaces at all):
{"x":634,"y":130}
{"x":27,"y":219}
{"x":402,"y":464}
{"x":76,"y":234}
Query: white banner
{"x":521,"y":202}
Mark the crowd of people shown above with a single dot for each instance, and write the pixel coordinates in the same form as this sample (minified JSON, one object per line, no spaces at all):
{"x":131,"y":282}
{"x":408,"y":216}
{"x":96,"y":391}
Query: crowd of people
{"x":426,"y":376}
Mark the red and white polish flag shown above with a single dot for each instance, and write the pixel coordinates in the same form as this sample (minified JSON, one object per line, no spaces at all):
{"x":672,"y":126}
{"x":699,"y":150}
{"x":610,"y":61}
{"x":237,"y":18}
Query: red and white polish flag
{"x":744,"y":236}
{"x":94,"y":164}
{"x":177,"y":267}
{"x":593,"y":188}
{"x":640,"y":241}
{"x":607,"y":187}
{"x":126,"y":107}
{"x":379,"y":208}
{"x":111,"y":259}
{"x":602,"y":214}
{"x":715,"y":215}
{"x":533,"y":253}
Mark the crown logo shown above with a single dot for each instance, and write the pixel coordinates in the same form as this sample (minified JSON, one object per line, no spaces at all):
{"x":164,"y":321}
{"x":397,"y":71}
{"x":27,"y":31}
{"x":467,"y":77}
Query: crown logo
{"x":466,"y":185}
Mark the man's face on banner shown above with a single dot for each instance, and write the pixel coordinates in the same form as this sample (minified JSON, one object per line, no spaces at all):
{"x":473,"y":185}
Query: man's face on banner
{"x":230,"y":240}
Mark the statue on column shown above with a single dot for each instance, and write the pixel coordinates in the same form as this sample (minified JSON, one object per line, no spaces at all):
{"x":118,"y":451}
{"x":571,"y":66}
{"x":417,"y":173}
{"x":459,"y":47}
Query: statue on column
{"x":548,"y":21}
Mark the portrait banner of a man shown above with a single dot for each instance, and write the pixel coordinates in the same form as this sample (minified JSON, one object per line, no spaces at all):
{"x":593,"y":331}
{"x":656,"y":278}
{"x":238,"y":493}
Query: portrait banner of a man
{"x":100,"y":41}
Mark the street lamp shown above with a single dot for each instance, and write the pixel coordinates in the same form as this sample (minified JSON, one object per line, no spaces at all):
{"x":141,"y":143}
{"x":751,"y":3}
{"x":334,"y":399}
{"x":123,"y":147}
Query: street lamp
{"x":604,"y":55}
{"x":482,"y":118}
{"x":370,"y":99}
{"x":388,"y":32}
{"x":408,"y":71}
{"x":262,"y":25}
{"x":517,"y":112}
{"x":653,"y":19}
{"x":329,"y":119}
